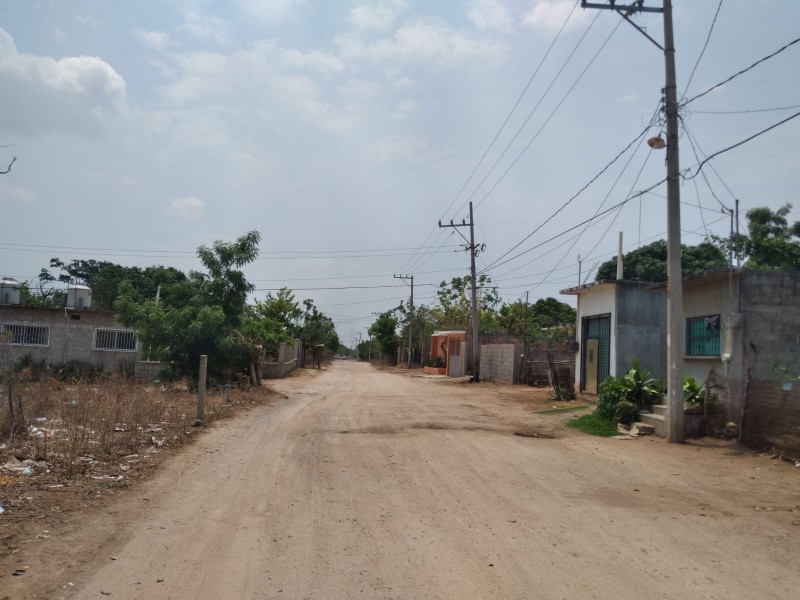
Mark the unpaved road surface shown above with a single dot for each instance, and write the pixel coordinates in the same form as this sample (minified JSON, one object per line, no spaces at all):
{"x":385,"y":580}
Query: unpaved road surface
{"x":367,"y":484}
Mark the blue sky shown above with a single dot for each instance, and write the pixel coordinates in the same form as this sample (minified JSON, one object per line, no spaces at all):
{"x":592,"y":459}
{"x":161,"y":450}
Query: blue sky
{"x":343,"y":131}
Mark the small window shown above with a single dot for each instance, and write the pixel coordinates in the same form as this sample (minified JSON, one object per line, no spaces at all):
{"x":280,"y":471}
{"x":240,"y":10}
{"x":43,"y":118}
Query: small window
{"x":121,"y":340}
{"x":28,"y":335}
{"x":702,"y":336}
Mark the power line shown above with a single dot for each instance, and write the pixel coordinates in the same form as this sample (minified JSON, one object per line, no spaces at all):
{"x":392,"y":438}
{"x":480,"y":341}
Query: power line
{"x":578,"y":193}
{"x":703,"y":51}
{"x":742,"y":72}
{"x":535,"y":108}
{"x":555,"y":110}
{"x":502,"y":127}
{"x":737,"y":144}
{"x":744,"y":112}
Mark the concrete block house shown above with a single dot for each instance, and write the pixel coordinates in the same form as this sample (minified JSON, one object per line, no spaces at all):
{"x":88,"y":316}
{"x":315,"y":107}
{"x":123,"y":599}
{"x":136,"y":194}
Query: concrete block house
{"x":74,"y":333}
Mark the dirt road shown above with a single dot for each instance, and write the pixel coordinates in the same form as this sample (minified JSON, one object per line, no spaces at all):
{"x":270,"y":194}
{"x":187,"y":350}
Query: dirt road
{"x":366,"y":484}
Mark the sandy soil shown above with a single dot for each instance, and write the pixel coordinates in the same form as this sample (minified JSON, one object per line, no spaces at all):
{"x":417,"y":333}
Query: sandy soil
{"x":371,"y":484}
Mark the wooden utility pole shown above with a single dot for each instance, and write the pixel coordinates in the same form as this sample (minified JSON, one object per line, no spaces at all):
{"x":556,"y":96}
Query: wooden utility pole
{"x":473,"y":251}
{"x":675,"y":327}
{"x":410,"y":314}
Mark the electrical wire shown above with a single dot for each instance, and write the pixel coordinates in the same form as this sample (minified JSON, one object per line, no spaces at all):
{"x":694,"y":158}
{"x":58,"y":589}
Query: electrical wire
{"x":703,"y":51}
{"x":742,"y":72}
{"x":572,"y":198}
{"x":699,"y":167}
{"x":744,"y":112}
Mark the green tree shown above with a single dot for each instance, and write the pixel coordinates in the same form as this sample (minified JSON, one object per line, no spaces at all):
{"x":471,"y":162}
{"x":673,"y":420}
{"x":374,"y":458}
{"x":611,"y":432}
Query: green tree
{"x":546,"y":318}
{"x":649,"y":263}
{"x":771,"y":242}
{"x":456,"y":306}
{"x":273,"y":321}
{"x":384,"y":331}
{"x":201,"y":314}
{"x":318,"y":328}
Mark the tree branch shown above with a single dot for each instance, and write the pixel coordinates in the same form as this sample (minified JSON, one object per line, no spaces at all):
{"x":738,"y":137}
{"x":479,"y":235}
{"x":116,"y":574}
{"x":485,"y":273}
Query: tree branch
{"x":13,"y":160}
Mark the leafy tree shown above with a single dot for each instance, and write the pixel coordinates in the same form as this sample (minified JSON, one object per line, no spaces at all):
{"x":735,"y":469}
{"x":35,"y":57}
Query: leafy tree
{"x":649,"y":263}
{"x":384,"y":331}
{"x":274,"y":321}
{"x":771,"y":242}
{"x":105,"y":278}
{"x":547,"y":317}
{"x":455,"y":304}
{"x":318,"y":328}
{"x":202,"y":313}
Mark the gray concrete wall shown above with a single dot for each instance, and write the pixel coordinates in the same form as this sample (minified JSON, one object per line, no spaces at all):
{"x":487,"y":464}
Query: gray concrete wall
{"x":640,"y":330}
{"x":149,"y":370}
{"x":288,"y":355}
{"x":71,"y":337}
{"x":501,"y":362}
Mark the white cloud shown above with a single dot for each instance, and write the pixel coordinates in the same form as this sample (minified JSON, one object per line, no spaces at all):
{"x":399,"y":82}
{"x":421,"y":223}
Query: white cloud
{"x":491,"y":14}
{"x":551,"y":14}
{"x":40,"y":94}
{"x":271,"y":11}
{"x":188,"y":208}
{"x":156,"y":40}
{"x":404,"y":147}
{"x":86,"y":21}
{"x":424,"y":41}
{"x":302,"y":94}
{"x":381,"y":16}
{"x":409,"y":107}
{"x":628,"y":98}
{"x":206,"y":28}
{"x":20,"y":195}
{"x":59,"y":34}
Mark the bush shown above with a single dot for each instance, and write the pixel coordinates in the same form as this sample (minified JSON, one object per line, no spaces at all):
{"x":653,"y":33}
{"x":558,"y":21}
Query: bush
{"x":626,"y":412}
{"x":609,"y":394}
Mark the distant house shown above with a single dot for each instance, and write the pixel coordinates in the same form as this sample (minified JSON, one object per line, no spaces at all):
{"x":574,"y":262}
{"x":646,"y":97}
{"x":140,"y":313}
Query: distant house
{"x":74,"y":333}
{"x":448,"y":349}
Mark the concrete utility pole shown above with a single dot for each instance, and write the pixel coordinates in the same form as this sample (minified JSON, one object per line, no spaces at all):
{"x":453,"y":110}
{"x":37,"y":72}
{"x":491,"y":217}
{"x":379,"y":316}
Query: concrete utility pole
{"x":675,"y":328}
{"x":410,"y":313}
{"x":473,"y":251}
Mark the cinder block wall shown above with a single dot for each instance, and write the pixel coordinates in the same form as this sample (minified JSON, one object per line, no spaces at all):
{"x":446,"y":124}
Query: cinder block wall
{"x":500,"y":362}
{"x":71,"y":337}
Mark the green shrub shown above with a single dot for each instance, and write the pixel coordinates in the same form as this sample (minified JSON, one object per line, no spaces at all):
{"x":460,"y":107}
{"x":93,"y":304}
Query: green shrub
{"x":640,"y":388}
{"x":594,"y":424}
{"x":610,"y":392}
{"x":626,"y":412}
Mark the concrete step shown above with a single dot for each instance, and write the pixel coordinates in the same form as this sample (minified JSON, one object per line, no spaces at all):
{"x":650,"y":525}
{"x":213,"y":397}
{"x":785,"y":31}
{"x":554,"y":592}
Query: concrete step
{"x":658,"y":422}
{"x":644,"y":428}
{"x":659,"y":409}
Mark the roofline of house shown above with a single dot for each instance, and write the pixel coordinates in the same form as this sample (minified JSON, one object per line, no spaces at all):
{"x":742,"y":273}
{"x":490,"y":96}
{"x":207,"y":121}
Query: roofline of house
{"x":574,"y":291}
{"x":57,"y":308}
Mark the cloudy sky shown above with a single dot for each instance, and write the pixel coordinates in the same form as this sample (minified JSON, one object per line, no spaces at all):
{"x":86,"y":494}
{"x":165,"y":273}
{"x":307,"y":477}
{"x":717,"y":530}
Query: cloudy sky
{"x":344,"y":130}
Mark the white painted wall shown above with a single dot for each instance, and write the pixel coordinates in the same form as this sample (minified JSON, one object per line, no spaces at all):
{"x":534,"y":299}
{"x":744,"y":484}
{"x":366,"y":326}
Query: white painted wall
{"x":592,"y":301}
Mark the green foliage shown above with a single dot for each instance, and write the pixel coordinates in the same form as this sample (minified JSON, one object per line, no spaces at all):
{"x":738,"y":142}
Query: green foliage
{"x":770,"y":243}
{"x":626,"y":412}
{"x":384,"y":330}
{"x":649,"y":263}
{"x":455,"y":306}
{"x":594,"y":424}
{"x":200,"y":315}
{"x":317,"y":328}
{"x":609,"y":394}
{"x":436,"y":361}
{"x":636,"y":387}
{"x":546,"y":318}
{"x":692,"y":390}
{"x":275,"y":320}
{"x":640,"y":387}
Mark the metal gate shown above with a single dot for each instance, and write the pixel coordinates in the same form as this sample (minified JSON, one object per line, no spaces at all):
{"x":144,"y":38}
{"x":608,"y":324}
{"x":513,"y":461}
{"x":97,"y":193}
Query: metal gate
{"x":596,"y":328}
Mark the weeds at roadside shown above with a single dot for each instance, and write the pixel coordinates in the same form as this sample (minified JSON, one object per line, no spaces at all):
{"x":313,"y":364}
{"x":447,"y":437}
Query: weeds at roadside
{"x":594,"y":424}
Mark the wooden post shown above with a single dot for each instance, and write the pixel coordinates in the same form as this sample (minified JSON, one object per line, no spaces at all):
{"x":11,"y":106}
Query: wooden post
{"x":253,"y":378}
{"x":201,"y":388}
{"x":226,"y":392}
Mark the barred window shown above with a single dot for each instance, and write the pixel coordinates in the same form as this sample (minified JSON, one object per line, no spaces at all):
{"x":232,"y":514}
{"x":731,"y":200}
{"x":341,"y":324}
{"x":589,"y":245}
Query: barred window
{"x":27,"y":335}
{"x":121,"y":340}
{"x":702,"y":336}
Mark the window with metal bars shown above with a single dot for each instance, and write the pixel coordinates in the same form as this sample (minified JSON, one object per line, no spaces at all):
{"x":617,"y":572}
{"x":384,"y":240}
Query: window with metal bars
{"x":120,"y":340}
{"x":23,"y":334}
{"x":702,"y":336}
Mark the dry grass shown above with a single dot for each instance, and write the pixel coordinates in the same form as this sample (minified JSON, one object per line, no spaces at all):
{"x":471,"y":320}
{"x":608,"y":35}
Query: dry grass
{"x":76,"y":426}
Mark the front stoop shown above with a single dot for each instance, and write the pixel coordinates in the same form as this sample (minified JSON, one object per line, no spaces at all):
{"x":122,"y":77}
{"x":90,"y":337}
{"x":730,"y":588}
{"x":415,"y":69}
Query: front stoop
{"x":655,"y":417}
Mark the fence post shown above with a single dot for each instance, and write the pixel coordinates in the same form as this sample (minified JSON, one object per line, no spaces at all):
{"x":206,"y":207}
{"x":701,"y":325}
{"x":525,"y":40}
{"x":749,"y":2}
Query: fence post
{"x":201,"y":389}
{"x":226,"y":392}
